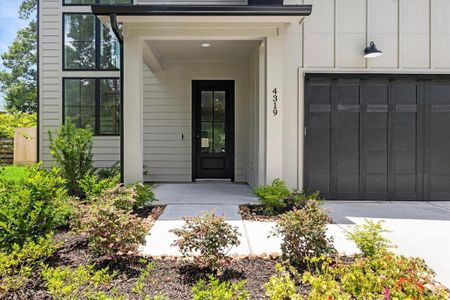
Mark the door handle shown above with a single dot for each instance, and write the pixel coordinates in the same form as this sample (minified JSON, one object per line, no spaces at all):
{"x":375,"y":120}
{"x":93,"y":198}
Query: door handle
{"x":197,"y":136}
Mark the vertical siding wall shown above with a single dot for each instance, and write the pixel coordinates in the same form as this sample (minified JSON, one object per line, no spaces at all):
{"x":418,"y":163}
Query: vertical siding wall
{"x":167,"y":117}
{"x":106,"y":149}
{"x":413,"y":34}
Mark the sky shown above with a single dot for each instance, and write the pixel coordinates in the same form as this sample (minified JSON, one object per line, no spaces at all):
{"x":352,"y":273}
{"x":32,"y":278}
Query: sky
{"x":9,"y":24}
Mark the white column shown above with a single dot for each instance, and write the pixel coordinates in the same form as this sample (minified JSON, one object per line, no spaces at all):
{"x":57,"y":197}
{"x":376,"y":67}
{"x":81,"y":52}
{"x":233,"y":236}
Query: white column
{"x":274,"y":123}
{"x":133,"y":121}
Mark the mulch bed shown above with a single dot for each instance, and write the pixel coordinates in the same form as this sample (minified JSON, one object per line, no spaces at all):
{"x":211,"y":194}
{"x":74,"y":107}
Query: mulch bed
{"x":170,"y":276}
{"x":255,"y":212}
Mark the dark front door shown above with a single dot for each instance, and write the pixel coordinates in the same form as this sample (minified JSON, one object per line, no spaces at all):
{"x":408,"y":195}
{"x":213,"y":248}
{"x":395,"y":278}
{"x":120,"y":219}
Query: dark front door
{"x":213,"y":129}
{"x":378,"y":137}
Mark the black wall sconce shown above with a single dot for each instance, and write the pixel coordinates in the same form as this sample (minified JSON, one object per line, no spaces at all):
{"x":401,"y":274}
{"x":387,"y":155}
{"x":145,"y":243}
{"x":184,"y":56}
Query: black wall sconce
{"x":371,"y":51}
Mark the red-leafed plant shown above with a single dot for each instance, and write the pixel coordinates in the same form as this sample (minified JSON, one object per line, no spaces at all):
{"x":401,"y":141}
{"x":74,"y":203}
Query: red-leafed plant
{"x":209,"y":236}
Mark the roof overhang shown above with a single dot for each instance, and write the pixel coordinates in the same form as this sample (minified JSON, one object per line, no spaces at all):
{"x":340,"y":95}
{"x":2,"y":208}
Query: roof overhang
{"x":122,"y":11}
{"x":200,"y":21}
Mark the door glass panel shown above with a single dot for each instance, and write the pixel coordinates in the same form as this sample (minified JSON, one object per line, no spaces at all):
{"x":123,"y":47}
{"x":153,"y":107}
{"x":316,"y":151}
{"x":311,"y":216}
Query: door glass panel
{"x":213,"y":121}
{"x":207,"y":105}
{"x":219,"y":105}
{"x":219,"y":137}
{"x":207,"y":137}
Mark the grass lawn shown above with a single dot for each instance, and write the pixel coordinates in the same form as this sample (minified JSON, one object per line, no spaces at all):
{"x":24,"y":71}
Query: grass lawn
{"x":13,"y":172}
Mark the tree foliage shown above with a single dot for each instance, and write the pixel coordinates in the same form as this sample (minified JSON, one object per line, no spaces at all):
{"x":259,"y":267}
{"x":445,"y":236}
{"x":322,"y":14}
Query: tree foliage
{"x":19,"y":77}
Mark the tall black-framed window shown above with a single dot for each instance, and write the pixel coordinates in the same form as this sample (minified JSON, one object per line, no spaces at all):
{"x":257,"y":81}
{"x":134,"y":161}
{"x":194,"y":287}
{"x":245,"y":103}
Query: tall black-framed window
{"x":88,"y":44}
{"x":94,"y":103}
{"x":89,"y":2}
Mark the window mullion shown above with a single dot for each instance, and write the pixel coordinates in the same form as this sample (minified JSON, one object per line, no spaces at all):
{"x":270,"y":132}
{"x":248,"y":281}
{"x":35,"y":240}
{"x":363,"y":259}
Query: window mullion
{"x":97,"y":44}
{"x":97,"y":106}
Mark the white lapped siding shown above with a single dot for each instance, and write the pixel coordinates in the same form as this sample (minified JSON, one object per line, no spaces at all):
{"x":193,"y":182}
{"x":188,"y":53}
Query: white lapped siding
{"x":167,"y":117}
{"x":106,"y":149}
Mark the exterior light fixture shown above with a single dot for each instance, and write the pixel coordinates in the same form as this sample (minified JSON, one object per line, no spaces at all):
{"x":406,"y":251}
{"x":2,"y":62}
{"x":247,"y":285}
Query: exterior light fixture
{"x":206,"y":45}
{"x":371,"y":51}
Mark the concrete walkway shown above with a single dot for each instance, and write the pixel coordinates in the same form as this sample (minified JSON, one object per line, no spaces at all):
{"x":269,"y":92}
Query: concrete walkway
{"x":419,"y":229}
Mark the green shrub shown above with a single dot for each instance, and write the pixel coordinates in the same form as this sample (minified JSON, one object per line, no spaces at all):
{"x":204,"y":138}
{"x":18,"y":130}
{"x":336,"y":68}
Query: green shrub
{"x":300,"y":198}
{"x":21,"y":262}
{"x":303,"y":233}
{"x":72,"y":149}
{"x":281,"y":286}
{"x":109,"y":222}
{"x":112,"y":172}
{"x":83,"y":282}
{"x":369,"y":239}
{"x":385,"y":276}
{"x":32,"y":207}
{"x":12,"y":120}
{"x":273,"y":197}
{"x":210,"y":236}
{"x":13,"y":173}
{"x":144,"y":195}
{"x":93,"y":186}
{"x":215,"y":290}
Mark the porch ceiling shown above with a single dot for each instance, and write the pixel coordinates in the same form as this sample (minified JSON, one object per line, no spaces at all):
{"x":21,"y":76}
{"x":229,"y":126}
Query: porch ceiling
{"x":192,"y":49}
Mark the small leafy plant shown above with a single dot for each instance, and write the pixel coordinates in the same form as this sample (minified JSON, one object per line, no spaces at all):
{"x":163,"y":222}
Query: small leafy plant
{"x":369,"y":239}
{"x":215,"y":290}
{"x":109,"y":222}
{"x":83,"y":282}
{"x":281,"y":286}
{"x":210,"y":236}
{"x":139,"y":286}
{"x":72,"y":149}
{"x":17,"y":265}
{"x":303,"y":233}
{"x":273,"y":197}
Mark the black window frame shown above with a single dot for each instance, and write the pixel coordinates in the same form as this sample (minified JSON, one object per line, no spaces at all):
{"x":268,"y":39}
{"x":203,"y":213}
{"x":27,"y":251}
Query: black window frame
{"x":97,"y":93}
{"x":98,"y":41}
{"x":95,"y":2}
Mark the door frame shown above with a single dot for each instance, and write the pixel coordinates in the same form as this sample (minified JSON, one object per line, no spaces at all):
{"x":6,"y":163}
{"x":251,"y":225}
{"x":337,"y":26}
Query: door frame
{"x":230,"y":128}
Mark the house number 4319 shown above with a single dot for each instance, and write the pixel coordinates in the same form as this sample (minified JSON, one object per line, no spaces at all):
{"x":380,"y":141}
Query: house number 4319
{"x":275,"y":100}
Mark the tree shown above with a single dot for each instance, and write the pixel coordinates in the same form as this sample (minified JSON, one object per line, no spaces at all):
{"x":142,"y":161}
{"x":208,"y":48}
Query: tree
{"x":18,"y":80}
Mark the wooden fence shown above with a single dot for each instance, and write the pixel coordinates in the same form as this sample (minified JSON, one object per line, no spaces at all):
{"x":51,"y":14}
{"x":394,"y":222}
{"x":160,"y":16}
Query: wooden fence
{"x":25,"y":146}
{"x":6,"y":151}
{"x":21,"y":150}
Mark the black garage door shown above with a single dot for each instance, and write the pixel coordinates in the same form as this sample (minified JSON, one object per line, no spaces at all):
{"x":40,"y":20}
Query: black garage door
{"x":378,"y":137}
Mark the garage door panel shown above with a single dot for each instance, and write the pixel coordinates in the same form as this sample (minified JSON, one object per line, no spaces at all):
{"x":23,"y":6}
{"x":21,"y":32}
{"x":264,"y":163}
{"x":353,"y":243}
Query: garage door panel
{"x":403,"y":139}
{"x":386,"y":136}
{"x":347,"y":140}
{"x":319,"y":182}
{"x":405,"y":92}
{"x":404,"y":162}
{"x":348,"y":183}
{"x":405,"y":183}
{"x":376,"y":184}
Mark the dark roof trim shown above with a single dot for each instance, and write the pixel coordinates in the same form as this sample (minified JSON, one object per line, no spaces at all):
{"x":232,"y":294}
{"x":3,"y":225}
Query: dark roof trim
{"x":115,"y":28}
{"x":201,"y":10}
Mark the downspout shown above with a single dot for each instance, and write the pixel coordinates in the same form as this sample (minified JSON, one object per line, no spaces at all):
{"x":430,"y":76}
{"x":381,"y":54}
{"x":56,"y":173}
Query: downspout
{"x":116,"y":30}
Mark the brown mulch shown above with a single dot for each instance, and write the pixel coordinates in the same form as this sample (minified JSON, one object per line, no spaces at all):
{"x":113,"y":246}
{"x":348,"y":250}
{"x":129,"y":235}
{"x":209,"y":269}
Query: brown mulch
{"x":170,"y":276}
{"x":255,"y":212}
